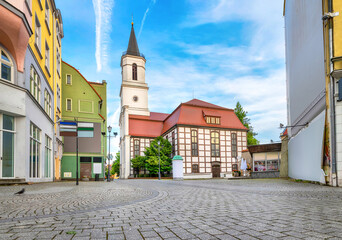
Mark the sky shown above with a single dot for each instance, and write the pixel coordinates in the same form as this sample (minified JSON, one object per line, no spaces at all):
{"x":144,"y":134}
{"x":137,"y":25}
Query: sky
{"x":219,"y":51}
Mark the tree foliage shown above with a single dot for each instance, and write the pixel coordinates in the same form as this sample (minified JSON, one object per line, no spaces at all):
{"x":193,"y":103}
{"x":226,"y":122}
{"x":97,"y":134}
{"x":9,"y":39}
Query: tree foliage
{"x":242,"y":115}
{"x":116,"y":165}
{"x":152,"y":153}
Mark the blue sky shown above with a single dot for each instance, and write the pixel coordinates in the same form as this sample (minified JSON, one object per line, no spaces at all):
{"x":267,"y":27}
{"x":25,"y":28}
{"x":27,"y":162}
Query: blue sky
{"x":220,"y":51}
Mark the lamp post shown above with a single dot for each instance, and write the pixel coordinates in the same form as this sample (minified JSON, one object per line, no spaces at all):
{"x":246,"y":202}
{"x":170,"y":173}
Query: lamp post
{"x":109,"y":156}
{"x":108,"y":174}
{"x":159,"y":159}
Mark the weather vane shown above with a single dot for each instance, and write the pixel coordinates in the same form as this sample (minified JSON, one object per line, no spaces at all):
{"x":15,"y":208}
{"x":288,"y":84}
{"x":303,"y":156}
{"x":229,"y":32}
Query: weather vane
{"x":132,"y":18}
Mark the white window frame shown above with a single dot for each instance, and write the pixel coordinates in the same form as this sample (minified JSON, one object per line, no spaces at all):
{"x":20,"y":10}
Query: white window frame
{"x":1,"y":150}
{"x":58,"y":61}
{"x":37,"y":33}
{"x":47,"y":103}
{"x":47,"y":14}
{"x":37,"y":140}
{"x":35,"y":84}
{"x":47,"y":156}
{"x":47,"y":56}
{"x":8,"y":63}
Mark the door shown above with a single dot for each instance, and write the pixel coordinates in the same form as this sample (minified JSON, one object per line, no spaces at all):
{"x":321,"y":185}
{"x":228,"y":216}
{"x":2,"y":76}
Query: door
{"x":216,"y":170}
{"x":86,"y":170}
{"x":6,"y":146}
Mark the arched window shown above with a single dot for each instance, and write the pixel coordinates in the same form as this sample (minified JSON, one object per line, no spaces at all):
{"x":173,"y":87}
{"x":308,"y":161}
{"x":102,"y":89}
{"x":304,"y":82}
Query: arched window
{"x":134,"y":72}
{"x":215,"y":144}
{"x":6,"y":66}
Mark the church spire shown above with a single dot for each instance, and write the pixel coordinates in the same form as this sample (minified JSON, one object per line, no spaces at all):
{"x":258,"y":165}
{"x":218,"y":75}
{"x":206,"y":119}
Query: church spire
{"x":133,"y":48}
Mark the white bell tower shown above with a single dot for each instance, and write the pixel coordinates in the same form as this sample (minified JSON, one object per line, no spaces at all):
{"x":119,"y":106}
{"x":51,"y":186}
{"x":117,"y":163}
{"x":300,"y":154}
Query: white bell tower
{"x":134,"y":98}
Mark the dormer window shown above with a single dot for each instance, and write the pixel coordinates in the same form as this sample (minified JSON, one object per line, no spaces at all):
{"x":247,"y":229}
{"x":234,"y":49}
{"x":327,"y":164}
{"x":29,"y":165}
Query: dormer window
{"x":134,"y":72}
{"x":213,"y":120}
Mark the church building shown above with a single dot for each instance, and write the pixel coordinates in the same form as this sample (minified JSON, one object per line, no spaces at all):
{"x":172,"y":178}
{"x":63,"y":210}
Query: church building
{"x":209,"y":138}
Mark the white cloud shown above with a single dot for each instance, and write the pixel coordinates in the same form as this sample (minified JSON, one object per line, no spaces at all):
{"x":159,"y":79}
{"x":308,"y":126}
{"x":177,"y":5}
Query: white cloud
{"x":152,"y":2}
{"x":103,"y":14}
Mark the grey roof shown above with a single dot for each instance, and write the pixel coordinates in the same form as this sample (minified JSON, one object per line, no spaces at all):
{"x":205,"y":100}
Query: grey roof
{"x":133,"y":48}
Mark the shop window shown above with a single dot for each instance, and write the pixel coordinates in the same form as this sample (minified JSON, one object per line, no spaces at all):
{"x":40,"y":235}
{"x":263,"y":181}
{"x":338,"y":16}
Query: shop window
{"x":194,"y":143}
{"x":85,"y":159}
{"x":34,"y":151}
{"x":272,"y":165}
{"x":215,"y":144}
{"x":97,"y":160}
{"x":259,"y":166}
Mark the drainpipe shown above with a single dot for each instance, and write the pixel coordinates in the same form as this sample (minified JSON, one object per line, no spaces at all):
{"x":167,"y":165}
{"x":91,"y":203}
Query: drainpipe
{"x":332,"y":101}
{"x":54,"y":92}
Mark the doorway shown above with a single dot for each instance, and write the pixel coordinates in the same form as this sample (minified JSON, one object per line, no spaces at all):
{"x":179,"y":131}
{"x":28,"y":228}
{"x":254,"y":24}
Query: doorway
{"x":6,"y":146}
{"x":216,"y":169}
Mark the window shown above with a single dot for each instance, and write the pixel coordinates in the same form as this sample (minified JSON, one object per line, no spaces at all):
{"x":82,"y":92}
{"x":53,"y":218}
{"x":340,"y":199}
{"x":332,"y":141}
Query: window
{"x":213,"y":120}
{"x":97,"y":160}
{"x":37,"y":33}
{"x":58,"y":61}
{"x":136,"y":147}
{"x":58,"y":33}
{"x":48,"y":151}
{"x":34,"y":151}
{"x":215,"y":144}
{"x":194,"y":143}
{"x":35,"y":84}
{"x":47,"y":103}
{"x":134,"y":72}
{"x":7,"y":132}
{"x":234,"y":145}
{"x":68,"y":79}
{"x":47,"y":56}
{"x":47,"y":14}
{"x":195,"y":168}
{"x":58,"y":97}
{"x":173,"y":144}
{"x":69,"y":104}
{"x":6,"y":66}
{"x":85,"y":159}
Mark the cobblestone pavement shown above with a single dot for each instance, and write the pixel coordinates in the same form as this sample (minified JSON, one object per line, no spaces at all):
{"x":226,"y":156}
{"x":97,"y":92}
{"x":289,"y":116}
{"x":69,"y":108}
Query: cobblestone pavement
{"x":152,"y":209}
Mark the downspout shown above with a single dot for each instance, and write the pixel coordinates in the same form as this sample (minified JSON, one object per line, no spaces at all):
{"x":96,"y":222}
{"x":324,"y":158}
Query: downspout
{"x":54,"y":92}
{"x":332,"y":101}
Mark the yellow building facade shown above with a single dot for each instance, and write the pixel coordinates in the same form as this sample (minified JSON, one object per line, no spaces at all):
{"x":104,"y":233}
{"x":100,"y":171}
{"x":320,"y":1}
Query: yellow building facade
{"x":46,"y":44}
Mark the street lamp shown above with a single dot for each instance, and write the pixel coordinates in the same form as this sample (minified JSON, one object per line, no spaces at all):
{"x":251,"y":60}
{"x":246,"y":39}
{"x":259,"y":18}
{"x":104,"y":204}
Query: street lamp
{"x":109,"y":130}
{"x":159,"y":159}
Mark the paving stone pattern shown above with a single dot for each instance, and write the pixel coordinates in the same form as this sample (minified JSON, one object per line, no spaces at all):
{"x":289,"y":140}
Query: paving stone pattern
{"x":152,"y":209}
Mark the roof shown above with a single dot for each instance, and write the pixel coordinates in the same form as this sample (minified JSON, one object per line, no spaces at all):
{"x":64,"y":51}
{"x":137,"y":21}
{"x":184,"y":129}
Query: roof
{"x":133,"y":48}
{"x":189,"y":113}
{"x":271,"y":147}
{"x":84,"y":79}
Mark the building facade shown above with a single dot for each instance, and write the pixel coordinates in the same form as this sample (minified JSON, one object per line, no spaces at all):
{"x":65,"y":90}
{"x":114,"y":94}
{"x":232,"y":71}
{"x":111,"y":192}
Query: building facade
{"x":86,"y":103}
{"x":313,"y":70}
{"x":209,"y":138}
{"x":27,"y":89}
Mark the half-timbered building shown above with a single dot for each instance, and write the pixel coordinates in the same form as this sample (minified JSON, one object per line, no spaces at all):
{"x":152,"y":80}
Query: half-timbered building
{"x":209,"y":138}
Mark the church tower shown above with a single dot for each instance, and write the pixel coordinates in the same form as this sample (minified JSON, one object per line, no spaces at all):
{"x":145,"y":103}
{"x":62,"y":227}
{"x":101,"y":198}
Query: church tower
{"x":133,"y":95}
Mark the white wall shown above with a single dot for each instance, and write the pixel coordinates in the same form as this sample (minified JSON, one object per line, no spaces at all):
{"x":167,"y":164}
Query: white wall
{"x":305,"y":151}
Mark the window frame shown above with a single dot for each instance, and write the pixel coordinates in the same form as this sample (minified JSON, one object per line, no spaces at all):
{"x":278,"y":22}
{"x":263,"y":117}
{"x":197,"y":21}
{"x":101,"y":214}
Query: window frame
{"x":38,"y":35}
{"x":48,"y":156}
{"x":135,"y":72}
{"x":47,"y":103}
{"x":136,"y":147}
{"x":173,"y":139}
{"x":8,"y":64}
{"x":214,"y":120}
{"x":47,"y":16}
{"x":66,"y":79}
{"x":215,"y":151}
{"x":194,"y":143}
{"x":47,"y":57}
{"x":35,"y":84}
{"x":193,"y":168}
{"x":66,"y":104}
{"x":35,"y":137}
{"x":233,"y":142}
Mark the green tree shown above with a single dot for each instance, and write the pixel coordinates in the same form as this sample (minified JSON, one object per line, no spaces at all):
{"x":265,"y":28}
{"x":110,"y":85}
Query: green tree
{"x":116,"y":165}
{"x":242,"y":115}
{"x":138,"y":163}
{"x":152,"y":160}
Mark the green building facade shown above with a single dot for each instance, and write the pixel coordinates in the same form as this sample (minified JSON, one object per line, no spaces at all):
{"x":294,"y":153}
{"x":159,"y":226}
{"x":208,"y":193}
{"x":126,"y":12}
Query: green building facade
{"x":86,"y":103}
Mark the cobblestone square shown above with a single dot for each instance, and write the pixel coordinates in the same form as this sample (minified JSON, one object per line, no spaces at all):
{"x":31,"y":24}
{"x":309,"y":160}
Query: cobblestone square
{"x":191,"y":209}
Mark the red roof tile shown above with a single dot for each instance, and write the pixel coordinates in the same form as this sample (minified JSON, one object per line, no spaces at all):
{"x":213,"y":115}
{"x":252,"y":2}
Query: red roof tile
{"x":189,"y":113}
